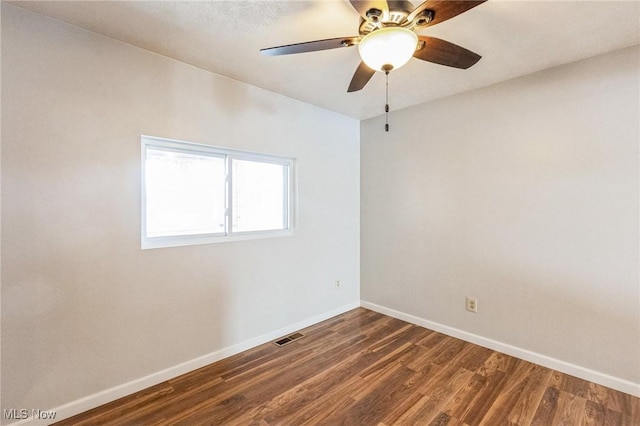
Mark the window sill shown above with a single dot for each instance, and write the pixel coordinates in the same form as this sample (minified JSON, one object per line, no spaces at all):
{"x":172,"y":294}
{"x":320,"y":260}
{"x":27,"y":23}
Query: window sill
{"x":191,"y":240}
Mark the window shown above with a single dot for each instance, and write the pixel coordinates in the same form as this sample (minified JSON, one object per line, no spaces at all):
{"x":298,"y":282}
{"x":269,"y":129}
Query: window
{"x":197,"y":194}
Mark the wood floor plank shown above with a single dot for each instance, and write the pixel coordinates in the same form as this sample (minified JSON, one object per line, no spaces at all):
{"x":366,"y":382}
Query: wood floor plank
{"x":473,"y":357}
{"x":319,"y":405}
{"x":431,"y":339}
{"x":296,"y":370}
{"x":321,"y":384}
{"x":458,"y":406}
{"x":363,"y":367}
{"x":448,"y":351}
{"x":570,"y":384}
{"x":429,"y":408}
{"x":547,"y":408}
{"x":296,"y":398}
{"x":593,"y":414}
{"x":499,"y":361}
{"x":406,"y":398}
{"x":512,"y":389}
{"x":526,"y":406}
{"x":610,"y":398}
{"x":485,"y":397}
{"x":132,"y":404}
{"x":371,"y":408}
{"x":420,"y":359}
{"x":559,"y":408}
{"x":391,"y":357}
{"x":597,"y":414}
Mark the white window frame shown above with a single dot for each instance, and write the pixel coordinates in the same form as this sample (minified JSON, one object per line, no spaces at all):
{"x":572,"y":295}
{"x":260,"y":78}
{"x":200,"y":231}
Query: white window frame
{"x":229,"y":155}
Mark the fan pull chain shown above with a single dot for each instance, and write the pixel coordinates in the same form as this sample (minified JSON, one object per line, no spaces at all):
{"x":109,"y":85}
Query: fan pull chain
{"x":386,"y":105}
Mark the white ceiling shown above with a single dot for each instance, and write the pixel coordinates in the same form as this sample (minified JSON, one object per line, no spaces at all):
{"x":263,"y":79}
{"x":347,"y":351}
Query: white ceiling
{"x":514,"y":38}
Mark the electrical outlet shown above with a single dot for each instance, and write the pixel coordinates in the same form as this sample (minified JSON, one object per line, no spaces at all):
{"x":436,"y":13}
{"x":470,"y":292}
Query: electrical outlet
{"x":472,"y":304}
{"x":337,"y":284}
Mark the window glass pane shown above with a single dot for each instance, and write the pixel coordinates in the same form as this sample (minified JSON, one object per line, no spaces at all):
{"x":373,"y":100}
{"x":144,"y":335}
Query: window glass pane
{"x":258,"y":196}
{"x":185,"y":193}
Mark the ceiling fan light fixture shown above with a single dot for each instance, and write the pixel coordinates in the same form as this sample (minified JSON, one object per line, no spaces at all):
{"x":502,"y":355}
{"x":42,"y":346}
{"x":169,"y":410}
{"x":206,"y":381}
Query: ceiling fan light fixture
{"x":392,"y":46}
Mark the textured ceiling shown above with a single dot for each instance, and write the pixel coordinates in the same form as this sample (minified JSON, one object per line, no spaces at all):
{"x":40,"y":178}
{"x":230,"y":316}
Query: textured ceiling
{"x":514,"y":38}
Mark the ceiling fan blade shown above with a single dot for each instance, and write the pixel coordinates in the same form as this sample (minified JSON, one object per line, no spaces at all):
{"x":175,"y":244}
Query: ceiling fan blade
{"x":444,"y":9}
{"x":361,"y":77}
{"x":311,"y":46}
{"x":444,"y":53}
{"x":362,"y":6}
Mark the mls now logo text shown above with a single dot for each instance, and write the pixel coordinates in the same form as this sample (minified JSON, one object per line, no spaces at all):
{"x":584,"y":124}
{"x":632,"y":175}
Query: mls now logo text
{"x":23,"y":413}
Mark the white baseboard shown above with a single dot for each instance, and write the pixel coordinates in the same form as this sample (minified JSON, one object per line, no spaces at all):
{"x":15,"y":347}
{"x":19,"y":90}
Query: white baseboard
{"x":603,"y":379}
{"x":92,"y":401}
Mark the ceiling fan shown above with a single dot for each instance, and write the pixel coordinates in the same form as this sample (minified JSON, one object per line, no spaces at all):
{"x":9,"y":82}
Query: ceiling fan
{"x":388,"y":37}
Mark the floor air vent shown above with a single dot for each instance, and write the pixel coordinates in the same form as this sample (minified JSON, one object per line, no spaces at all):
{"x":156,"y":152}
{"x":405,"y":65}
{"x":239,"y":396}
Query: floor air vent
{"x":286,"y":340}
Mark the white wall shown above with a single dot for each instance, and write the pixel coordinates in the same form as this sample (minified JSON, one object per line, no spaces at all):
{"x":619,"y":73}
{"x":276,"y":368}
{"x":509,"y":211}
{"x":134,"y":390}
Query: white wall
{"x":524,"y":195}
{"x":84,"y":309}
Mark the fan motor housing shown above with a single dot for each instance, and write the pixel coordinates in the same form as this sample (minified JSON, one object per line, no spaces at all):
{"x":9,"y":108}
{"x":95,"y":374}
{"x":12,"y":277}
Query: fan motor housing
{"x":399,"y":11}
{"x":400,"y":6}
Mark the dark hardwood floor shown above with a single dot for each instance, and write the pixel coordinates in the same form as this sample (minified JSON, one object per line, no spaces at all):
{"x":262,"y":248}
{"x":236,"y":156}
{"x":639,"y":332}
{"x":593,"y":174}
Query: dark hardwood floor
{"x":364,"y":368}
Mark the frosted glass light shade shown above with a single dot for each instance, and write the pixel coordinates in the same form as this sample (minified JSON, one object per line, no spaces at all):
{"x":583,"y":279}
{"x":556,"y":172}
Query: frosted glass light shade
{"x":388,"y":46}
